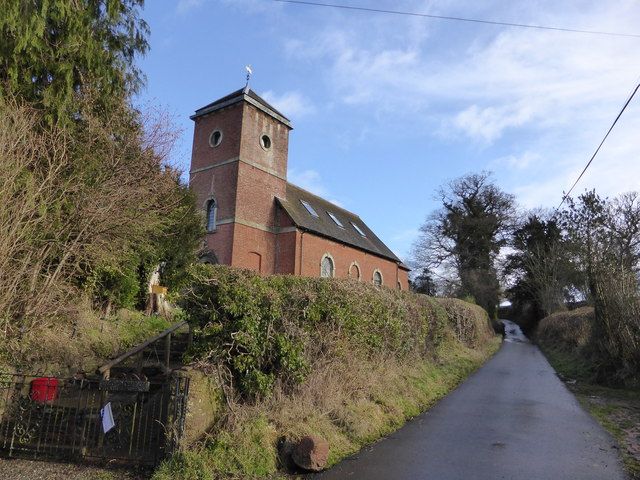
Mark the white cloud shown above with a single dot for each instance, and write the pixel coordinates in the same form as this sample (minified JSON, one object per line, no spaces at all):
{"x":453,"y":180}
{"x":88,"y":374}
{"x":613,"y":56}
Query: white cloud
{"x":516,"y":162}
{"x":545,"y":97}
{"x":312,"y":181}
{"x":185,"y":6}
{"x":487,"y":124}
{"x":514,"y":77}
{"x":290,"y":104}
{"x":615,"y":170}
{"x":309,"y":180}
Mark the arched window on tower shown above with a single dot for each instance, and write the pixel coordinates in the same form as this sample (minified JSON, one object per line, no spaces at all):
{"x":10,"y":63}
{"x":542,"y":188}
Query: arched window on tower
{"x":212,"y":210}
{"x":326,"y":267}
{"x":208,"y":257}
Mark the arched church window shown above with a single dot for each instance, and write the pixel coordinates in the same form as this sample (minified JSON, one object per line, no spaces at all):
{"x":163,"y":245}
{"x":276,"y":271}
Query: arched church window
{"x":212,"y":210}
{"x":354,"y":271}
{"x":326,"y":267}
{"x":377,"y":278}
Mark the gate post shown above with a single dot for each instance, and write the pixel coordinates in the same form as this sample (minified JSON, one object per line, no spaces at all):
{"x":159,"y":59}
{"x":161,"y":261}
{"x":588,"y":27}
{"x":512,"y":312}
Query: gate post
{"x":167,"y":353}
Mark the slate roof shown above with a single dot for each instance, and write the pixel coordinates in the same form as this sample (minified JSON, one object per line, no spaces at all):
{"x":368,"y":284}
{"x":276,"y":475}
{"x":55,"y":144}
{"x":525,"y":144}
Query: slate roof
{"x":244,"y":94}
{"x":325,"y":226}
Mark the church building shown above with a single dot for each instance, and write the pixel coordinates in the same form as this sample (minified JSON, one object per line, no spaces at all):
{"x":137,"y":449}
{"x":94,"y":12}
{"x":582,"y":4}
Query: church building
{"x":256,"y":219}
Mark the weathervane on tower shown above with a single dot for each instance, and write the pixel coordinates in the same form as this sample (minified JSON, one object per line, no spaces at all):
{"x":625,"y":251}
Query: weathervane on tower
{"x":249,"y":72}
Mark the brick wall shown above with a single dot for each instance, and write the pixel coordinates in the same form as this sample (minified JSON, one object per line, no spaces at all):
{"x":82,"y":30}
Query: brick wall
{"x":229,"y":122}
{"x":251,"y":244}
{"x":286,"y":253}
{"x":244,"y":181}
{"x":219,"y":183}
{"x":255,"y":197}
{"x":311,"y":248}
{"x":220,"y":242}
{"x":256,"y":123}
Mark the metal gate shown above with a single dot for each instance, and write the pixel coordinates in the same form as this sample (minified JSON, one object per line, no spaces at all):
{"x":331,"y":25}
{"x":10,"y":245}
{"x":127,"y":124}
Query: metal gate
{"x":131,"y":420}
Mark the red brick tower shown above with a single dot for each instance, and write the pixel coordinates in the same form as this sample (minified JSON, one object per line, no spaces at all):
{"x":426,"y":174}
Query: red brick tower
{"x":238,"y":167}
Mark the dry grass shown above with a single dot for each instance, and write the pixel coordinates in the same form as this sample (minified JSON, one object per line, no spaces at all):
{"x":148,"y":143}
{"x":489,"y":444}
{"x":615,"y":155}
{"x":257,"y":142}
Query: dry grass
{"x":82,"y":346}
{"x":354,"y":403}
{"x":618,"y":411}
{"x":565,"y":338}
{"x":71,"y":198}
{"x":616,"y":334}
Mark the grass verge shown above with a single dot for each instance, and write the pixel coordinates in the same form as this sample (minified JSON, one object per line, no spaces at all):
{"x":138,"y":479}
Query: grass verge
{"x":64,"y":349}
{"x":564,"y":337}
{"x":618,"y":411}
{"x":350,"y":404}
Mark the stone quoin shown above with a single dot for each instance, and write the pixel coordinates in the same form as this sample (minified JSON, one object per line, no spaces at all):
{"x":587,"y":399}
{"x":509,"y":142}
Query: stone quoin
{"x":256,"y":219}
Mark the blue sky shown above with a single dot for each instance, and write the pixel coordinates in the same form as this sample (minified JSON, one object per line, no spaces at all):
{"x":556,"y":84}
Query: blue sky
{"x":386,"y":109}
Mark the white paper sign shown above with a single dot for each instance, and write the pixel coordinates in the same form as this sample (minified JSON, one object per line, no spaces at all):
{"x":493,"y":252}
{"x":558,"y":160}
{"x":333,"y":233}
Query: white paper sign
{"x":107,"y":418}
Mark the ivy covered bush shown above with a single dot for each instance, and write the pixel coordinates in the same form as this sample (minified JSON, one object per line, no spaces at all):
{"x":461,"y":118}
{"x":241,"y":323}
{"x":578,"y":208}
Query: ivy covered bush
{"x":263,"y":331}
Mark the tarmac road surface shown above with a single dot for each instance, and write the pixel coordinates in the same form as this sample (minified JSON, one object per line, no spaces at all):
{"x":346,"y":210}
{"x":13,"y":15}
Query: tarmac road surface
{"x":513,"y":419}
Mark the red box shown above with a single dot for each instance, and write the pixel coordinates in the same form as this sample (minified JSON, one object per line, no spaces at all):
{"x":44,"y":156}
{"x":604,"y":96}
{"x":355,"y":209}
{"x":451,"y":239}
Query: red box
{"x":44,"y":389}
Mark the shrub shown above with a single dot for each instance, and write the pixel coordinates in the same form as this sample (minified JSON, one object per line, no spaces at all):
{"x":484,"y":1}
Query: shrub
{"x":616,"y":332}
{"x":71,"y":224}
{"x":591,"y":347}
{"x":269,"y":330}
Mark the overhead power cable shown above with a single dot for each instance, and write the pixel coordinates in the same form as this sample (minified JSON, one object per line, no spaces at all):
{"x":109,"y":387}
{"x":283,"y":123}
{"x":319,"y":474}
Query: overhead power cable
{"x":566,"y":195}
{"x":457,"y":19}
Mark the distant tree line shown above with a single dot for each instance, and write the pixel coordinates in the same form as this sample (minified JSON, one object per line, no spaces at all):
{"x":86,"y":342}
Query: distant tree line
{"x":476,"y":246}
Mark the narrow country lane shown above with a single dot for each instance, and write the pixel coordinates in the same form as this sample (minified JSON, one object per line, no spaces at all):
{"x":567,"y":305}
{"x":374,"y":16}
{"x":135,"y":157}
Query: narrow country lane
{"x":513,"y":419}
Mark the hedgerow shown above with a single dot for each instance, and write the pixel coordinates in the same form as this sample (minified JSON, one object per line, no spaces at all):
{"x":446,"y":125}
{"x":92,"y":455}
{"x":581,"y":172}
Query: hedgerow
{"x":277,"y":358}
{"x":269,"y":330}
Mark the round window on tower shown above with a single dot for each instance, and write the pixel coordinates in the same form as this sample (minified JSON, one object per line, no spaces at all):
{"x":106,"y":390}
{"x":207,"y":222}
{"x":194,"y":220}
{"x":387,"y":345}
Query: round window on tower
{"x":265,"y":142}
{"x":215,"y":138}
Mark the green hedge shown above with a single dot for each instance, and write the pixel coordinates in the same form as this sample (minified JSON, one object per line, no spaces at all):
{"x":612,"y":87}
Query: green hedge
{"x":268,"y":330}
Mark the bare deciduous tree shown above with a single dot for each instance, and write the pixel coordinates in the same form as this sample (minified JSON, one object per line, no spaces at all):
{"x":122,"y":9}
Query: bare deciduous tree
{"x":78,"y":198}
{"x":467,"y":233}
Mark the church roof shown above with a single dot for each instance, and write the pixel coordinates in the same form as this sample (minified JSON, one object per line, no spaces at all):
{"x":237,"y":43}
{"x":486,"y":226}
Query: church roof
{"x":318,"y":216}
{"x":247,"y":95}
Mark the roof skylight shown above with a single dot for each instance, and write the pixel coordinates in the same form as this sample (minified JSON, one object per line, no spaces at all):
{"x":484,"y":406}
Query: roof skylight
{"x":335,"y":219}
{"x":309,"y":208}
{"x":358,"y":229}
